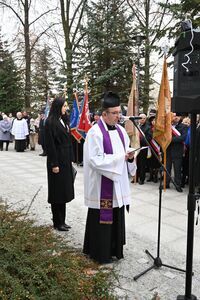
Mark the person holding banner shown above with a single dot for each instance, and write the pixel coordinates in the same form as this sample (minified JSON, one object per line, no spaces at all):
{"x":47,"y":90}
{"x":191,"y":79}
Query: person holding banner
{"x":107,"y":161}
{"x":59,"y":163}
{"x":175,"y":151}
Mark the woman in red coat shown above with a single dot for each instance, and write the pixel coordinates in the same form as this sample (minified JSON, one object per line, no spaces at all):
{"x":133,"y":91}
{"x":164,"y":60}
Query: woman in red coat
{"x":59,"y":163}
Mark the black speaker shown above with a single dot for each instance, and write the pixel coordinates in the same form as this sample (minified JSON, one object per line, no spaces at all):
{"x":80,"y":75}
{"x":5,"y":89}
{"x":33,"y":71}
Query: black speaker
{"x":186,"y":93}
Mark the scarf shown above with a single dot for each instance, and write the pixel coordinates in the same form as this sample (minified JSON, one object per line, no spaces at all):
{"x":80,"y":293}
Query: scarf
{"x":106,"y":200}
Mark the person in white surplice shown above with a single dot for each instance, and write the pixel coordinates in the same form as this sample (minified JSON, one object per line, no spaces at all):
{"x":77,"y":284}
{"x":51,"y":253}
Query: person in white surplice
{"x":107,"y":161}
{"x":20,"y":132}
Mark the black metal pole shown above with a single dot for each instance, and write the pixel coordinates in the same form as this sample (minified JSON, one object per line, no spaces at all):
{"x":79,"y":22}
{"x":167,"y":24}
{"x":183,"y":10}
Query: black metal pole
{"x":191,"y":206}
{"x":191,"y":209}
{"x":157,"y":262}
{"x":159,"y":212}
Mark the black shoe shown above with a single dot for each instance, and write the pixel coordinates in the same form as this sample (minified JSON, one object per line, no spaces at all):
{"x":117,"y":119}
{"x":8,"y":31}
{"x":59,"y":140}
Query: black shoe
{"x":106,"y":262}
{"x":150,"y":179}
{"x":179,"y":189}
{"x":67,"y":226}
{"x":141,"y":182}
{"x":61,"y":228}
{"x":155,"y":179}
{"x":42,"y":154}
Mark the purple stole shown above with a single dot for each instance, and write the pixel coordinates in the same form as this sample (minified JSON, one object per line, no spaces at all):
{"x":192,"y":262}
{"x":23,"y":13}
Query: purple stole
{"x":106,"y":201}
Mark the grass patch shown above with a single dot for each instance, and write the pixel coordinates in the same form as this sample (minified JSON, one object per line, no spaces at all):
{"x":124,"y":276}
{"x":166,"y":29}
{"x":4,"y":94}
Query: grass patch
{"x":37,"y":265}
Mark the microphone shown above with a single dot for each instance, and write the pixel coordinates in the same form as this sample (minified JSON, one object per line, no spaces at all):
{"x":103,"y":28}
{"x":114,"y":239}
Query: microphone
{"x":132,"y":118}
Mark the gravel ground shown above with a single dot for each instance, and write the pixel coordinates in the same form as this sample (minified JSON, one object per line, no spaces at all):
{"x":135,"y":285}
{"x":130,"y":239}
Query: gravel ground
{"x":24,"y":174}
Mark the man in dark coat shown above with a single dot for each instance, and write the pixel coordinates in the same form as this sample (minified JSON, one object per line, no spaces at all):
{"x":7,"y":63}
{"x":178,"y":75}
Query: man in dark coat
{"x":41,"y":135}
{"x":59,"y":163}
{"x":175,"y":151}
{"x":142,"y":156}
{"x":27,"y":118}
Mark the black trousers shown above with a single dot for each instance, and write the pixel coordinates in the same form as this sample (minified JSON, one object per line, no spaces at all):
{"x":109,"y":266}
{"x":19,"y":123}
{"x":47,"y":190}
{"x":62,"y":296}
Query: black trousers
{"x":1,"y":144}
{"x":177,"y":164}
{"x":185,"y":168}
{"x":59,"y":213}
{"x":142,"y":164}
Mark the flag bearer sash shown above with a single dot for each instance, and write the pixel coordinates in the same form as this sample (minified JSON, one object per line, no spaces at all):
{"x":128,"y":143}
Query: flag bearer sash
{"x":175,"y":132}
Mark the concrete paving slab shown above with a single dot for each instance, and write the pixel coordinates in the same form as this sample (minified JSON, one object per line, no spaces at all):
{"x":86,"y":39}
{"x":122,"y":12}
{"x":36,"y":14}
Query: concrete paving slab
{"x":23,"y":175}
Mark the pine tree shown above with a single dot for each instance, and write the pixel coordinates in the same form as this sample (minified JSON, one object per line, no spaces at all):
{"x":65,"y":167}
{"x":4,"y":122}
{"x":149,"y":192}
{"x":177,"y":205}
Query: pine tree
{"x":10,"y":82}
{"x":190,"y":9}
{"x":186,"y":9}
{"x":107,"y":56}
{"x":43,"y":75}
{"x":151,"y":24}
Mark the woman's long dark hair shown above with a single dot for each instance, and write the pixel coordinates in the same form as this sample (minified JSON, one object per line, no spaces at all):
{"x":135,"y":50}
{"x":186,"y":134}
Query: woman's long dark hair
{"x":55,"y":110}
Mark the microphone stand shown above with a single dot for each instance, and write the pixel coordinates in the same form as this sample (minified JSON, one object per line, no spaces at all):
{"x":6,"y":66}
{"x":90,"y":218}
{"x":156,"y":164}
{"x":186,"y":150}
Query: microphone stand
{"x":191,"y":206}
{"x":157,"y":262}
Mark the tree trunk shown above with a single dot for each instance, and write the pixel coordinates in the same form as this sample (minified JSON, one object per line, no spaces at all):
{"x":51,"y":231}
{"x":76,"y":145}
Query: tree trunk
{"x":69,"y":71}
{"x":147,"y":59}
{"x":27,"y":56}
{"x":146,"y":81}
{"x":65,"y":7}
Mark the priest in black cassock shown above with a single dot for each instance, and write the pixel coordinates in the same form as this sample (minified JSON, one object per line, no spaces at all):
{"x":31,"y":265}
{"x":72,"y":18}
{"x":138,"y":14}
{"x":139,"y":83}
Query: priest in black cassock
{"x":107,"y":161}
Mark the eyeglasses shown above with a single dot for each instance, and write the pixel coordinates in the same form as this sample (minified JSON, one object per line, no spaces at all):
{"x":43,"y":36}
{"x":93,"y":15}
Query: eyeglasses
{"x":114,"y":113}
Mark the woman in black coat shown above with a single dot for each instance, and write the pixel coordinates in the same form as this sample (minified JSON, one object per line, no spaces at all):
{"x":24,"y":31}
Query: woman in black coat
{"x":59,"y":163}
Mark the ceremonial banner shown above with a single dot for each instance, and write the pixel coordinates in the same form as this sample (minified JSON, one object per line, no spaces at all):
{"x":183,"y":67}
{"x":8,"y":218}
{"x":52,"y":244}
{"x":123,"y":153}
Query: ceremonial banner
{"x":83,"y":134}
{"x":162,"y":130}
{"x":132,"y":110}
{"x":74,"y":120}
{"x":84,"y":123}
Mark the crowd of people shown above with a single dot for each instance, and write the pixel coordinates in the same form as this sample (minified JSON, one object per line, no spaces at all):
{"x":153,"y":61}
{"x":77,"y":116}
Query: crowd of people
{"x":108,"y":163}
{"x":177,"y":154}
{"x":23,"y":130}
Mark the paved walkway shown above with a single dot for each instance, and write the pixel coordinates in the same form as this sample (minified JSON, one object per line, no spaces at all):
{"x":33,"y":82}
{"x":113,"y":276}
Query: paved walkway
{"x":21,"y":176}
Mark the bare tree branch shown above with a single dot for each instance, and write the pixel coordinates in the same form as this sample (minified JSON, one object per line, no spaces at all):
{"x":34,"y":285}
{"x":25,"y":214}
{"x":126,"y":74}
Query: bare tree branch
{"x":160,"y":24}
{"x":23,"y":3}
{"x":45,"y":13}
{"x":13,"y":10}
{"x":59,"y":52}
{"x":42,"y":33}
{"x":30,"y":3}
{"x":138,"y":13}
{"x":79,"y":21}
{"x":74,"y":45}
{"x":75,"y":13}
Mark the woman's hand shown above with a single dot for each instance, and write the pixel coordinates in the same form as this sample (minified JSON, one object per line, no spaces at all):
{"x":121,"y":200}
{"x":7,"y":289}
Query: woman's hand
{"x":55,"y":169}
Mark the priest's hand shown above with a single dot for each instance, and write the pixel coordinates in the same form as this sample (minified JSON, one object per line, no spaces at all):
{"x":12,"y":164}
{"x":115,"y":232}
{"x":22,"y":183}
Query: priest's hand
{"x":129,"y":155}
{"x":55,"y":169}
